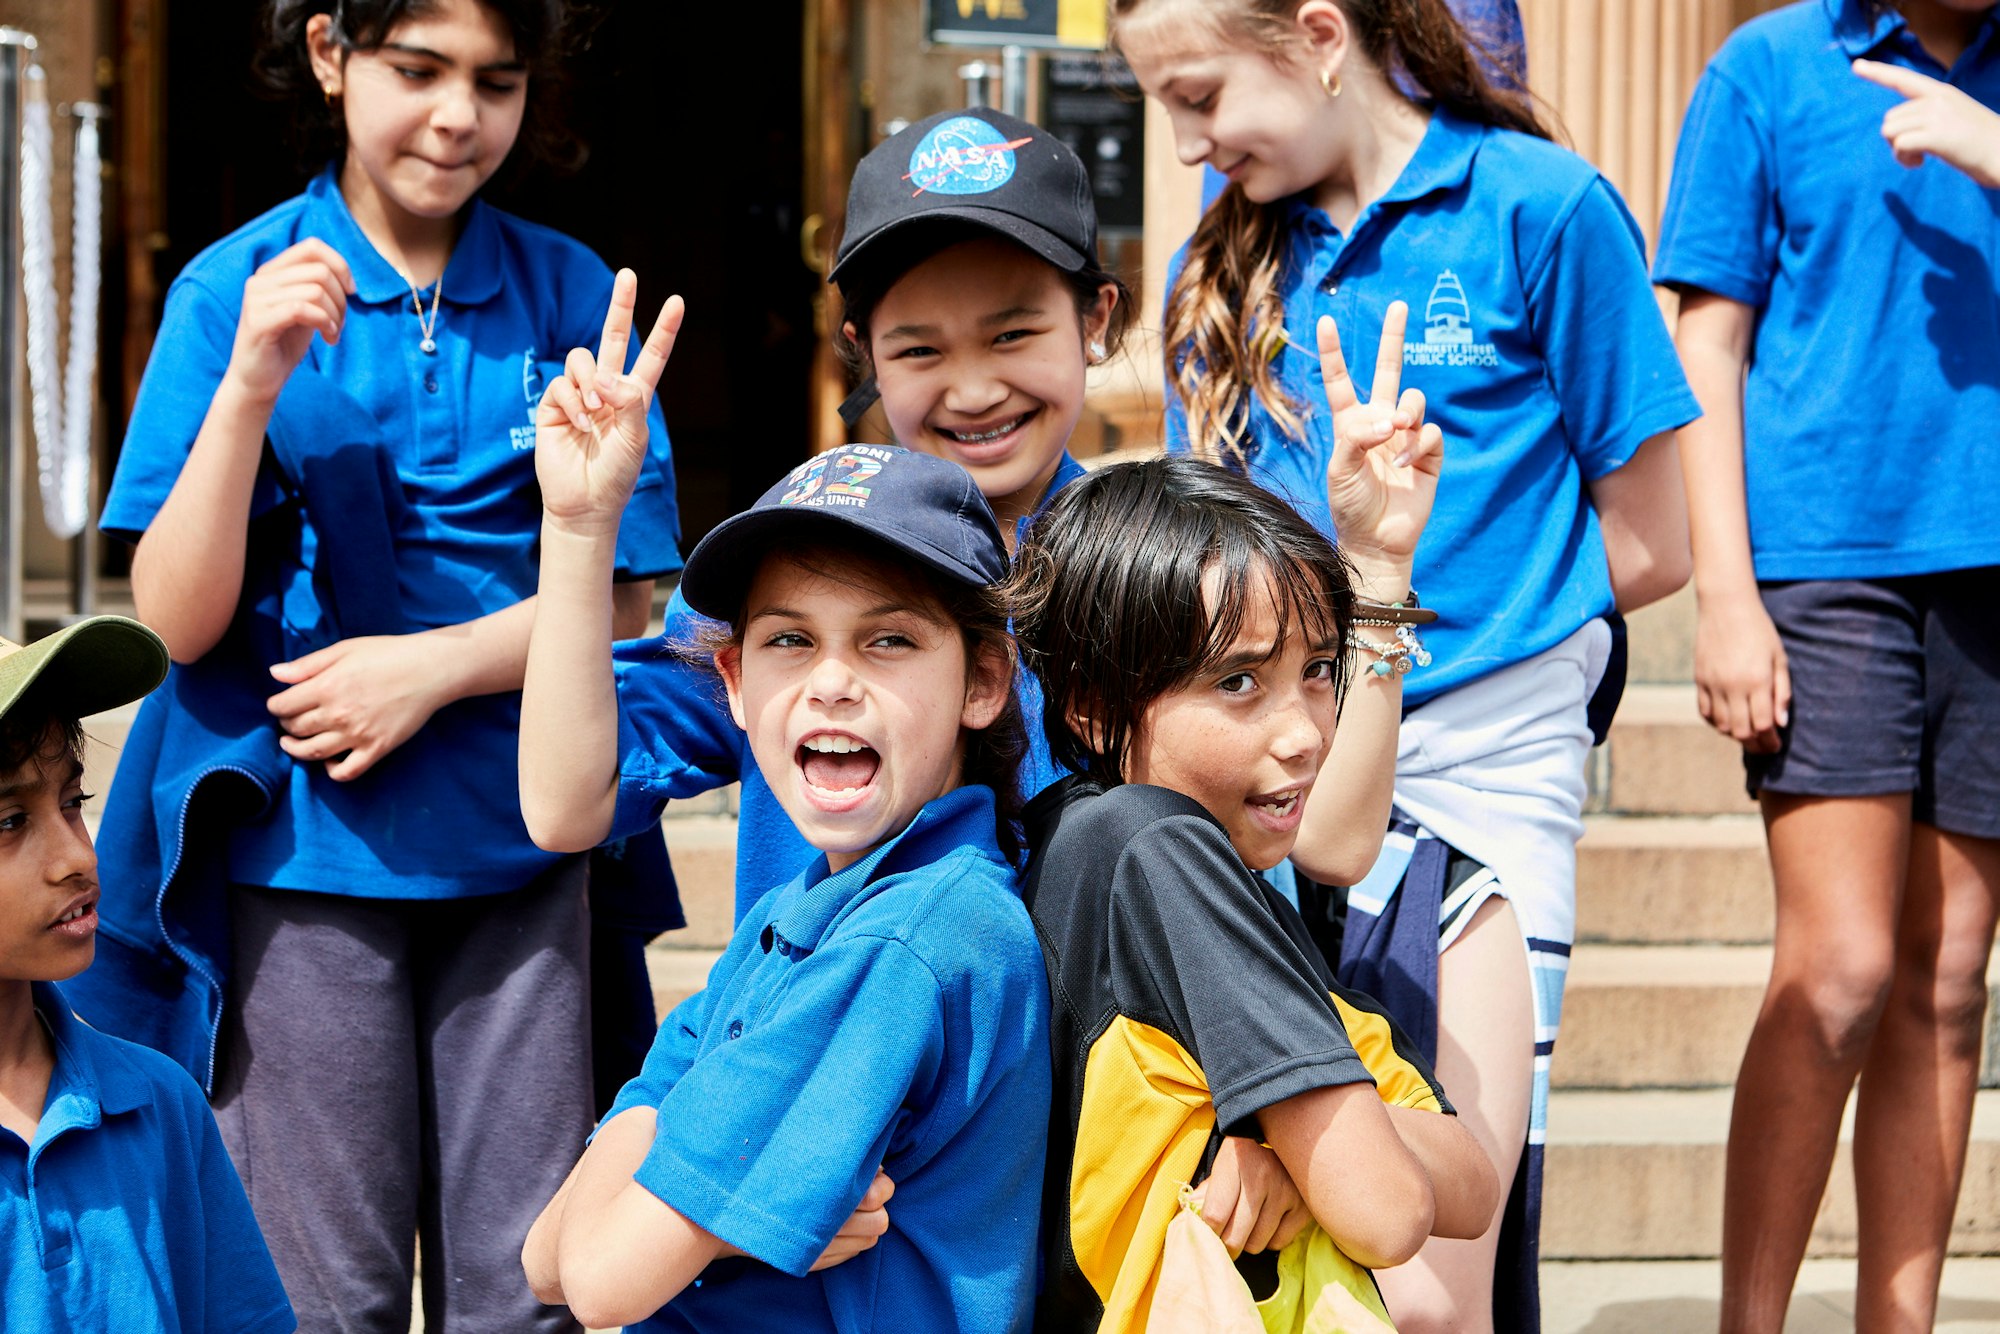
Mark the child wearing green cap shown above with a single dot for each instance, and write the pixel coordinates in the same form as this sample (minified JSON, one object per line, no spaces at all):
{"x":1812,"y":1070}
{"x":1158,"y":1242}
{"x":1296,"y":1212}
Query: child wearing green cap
{"x":119,"y":1208}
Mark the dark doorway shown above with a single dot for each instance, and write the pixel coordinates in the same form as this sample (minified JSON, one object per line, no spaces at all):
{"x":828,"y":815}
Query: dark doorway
{"x":694,"y":180}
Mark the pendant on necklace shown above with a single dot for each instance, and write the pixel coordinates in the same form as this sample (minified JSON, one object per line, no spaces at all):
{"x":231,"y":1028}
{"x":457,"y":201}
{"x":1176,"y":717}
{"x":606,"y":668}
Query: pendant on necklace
{"x":429,"y":345}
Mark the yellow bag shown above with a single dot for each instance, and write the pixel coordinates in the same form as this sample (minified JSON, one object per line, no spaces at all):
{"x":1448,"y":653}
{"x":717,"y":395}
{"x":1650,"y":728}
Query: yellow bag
{"x":1320,"y":1290}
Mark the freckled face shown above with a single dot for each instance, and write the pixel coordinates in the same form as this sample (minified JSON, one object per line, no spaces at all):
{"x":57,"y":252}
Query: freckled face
{"x":430,"y":114}
{"x":1247,"y":738}
{"x":48,"y":871}
{"x":855,"y":696}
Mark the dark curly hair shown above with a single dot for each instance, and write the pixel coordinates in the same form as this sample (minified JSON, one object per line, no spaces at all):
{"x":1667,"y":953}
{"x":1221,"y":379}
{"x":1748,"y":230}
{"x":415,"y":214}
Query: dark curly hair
{"x":544,"y":33}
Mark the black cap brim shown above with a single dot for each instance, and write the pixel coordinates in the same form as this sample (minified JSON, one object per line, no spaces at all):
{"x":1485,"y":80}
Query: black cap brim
{"x":1038,"y":239}
{"x":719,"y":569}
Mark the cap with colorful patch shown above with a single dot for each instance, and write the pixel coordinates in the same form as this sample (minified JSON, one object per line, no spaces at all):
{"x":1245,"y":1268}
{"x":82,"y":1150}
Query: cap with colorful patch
{"x":917,"y":505}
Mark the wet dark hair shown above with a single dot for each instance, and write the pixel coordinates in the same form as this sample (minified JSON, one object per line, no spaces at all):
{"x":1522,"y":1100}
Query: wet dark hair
{"x":544,"y":32}
{"x":864,"y":284}
{"x":993,"y":753}
{"x":32,"y":731}
{"x":1108,"y":597}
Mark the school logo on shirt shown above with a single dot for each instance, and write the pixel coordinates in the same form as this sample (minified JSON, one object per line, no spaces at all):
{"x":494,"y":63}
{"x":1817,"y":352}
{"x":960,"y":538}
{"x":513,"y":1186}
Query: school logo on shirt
{"x":836,"y":479}
{"x":963,"y":156}
{"x":523,"y":437}
{"x":1448,"y":332}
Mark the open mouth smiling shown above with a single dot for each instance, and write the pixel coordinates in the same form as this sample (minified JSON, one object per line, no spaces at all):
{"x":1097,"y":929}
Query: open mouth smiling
{"x":838,"y":768}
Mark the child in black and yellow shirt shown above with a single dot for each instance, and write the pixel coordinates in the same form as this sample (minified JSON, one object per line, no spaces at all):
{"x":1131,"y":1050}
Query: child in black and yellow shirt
{"x":1190,"y":633}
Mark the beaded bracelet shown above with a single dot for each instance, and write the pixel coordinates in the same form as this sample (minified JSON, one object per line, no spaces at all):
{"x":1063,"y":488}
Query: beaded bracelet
{"x":1396,"y":657}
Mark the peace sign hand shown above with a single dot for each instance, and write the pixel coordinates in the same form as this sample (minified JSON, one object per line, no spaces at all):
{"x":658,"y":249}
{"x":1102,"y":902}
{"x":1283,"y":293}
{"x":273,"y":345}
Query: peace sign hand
{"x":590,"y":428}
{"x":1382,"y":478}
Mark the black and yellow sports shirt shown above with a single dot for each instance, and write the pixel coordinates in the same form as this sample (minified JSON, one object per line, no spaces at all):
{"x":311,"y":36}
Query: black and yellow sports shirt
{"x":1187,"y":995}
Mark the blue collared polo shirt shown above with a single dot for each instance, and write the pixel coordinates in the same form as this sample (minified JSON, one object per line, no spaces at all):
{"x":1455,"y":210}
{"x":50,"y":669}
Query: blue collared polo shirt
{"x":125,"y":1213}
{"x":893,"y":1014}
{"x":1540,"y":349}
{"x":457,"y":428}
{"x":1871,"y":411}
{"x":676,"y":740}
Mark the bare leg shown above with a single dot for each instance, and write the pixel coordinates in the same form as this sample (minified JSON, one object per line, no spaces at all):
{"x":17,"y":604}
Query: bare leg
{"x":1839,"y":864}
{"x":1915,"y":1112}
{"x":1486,"y":1059}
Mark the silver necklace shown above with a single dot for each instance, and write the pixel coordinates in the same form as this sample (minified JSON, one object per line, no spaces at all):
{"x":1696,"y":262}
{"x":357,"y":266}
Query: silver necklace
{"x":427,"y":324}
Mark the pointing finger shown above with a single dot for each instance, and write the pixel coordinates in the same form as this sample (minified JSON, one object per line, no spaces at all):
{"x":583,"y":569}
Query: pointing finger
{"x":1389,"y":356}
{"x":1894,"y":77}
{"x":659,"y":346}
{"x":1340,"y":394}
{"x":618,"y":322}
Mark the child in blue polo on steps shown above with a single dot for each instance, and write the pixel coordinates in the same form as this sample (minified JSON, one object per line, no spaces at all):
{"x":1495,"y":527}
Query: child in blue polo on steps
{"x":887,"y":1008}
{"x":119,"y":1209}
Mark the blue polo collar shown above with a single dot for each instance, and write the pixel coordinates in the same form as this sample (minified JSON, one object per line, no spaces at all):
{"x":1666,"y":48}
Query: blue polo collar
{"x":1442,"y":162}
{"x":83,"y":1090}
{"x":1861,"y":27}
{"x":962,"y":817}
{"x":472,"y":276}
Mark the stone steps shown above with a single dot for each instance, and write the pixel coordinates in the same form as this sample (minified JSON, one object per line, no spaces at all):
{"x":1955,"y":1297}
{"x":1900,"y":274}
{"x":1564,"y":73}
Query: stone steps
{"x":1638,"y":1175}
{"x":1673,"y":880}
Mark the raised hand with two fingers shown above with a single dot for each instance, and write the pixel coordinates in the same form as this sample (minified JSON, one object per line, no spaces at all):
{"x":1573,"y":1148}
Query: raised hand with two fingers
{"x":590,"y":428}
{"x":1382,"y":478}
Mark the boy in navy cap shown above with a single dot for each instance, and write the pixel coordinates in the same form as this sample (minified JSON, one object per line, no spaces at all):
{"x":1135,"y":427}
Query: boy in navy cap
{"x":119,"y":1209}
{"x":887,"y":1010}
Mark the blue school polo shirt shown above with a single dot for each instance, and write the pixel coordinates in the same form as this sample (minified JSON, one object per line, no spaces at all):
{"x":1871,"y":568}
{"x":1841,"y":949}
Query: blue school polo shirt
{"x":893,"y":1014}
{"x":457,"y":428}
{"x":676,"y":740}
{"x":1537,"y":341}
{"x":125,"y":1213}
{"x":1871,"y":410}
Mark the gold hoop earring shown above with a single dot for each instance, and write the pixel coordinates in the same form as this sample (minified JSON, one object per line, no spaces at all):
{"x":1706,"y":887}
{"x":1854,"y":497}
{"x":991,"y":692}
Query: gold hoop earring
{"x":1330,"y":81}
{"x":326,"y":89}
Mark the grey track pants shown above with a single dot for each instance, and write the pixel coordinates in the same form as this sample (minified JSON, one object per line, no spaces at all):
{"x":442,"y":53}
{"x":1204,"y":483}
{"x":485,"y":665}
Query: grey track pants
{"x":394,"y":1070}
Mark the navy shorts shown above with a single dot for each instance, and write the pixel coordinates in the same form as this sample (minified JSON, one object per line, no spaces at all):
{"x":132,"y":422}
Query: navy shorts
{"x":1895,"y":688}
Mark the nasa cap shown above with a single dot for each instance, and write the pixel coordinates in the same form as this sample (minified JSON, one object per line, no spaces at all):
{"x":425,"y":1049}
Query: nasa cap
{"x":917,"y":505}
{"x":979,"y":166}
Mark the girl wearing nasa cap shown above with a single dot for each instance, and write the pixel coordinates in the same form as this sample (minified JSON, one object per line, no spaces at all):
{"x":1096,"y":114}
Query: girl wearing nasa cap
{"x":328,"y":477}
{"x":1372,"y":162}
{"x":1845,"y":581}
{"x":977,"y":326}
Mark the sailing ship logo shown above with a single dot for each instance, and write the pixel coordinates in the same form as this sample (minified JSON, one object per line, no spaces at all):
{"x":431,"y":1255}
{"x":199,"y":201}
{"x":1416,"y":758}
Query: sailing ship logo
{"x":1448,"y":332}
{"x":1447,"y":319}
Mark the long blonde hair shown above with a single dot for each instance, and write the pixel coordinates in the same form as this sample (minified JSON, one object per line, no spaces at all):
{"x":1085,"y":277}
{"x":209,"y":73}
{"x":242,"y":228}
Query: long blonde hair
{"x":1225,"y":322}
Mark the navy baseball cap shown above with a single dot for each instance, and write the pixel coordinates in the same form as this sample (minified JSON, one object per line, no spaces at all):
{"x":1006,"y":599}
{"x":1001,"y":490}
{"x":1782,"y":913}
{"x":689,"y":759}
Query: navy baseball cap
{"x":978,"y":166}
{"x":917,"y":505}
